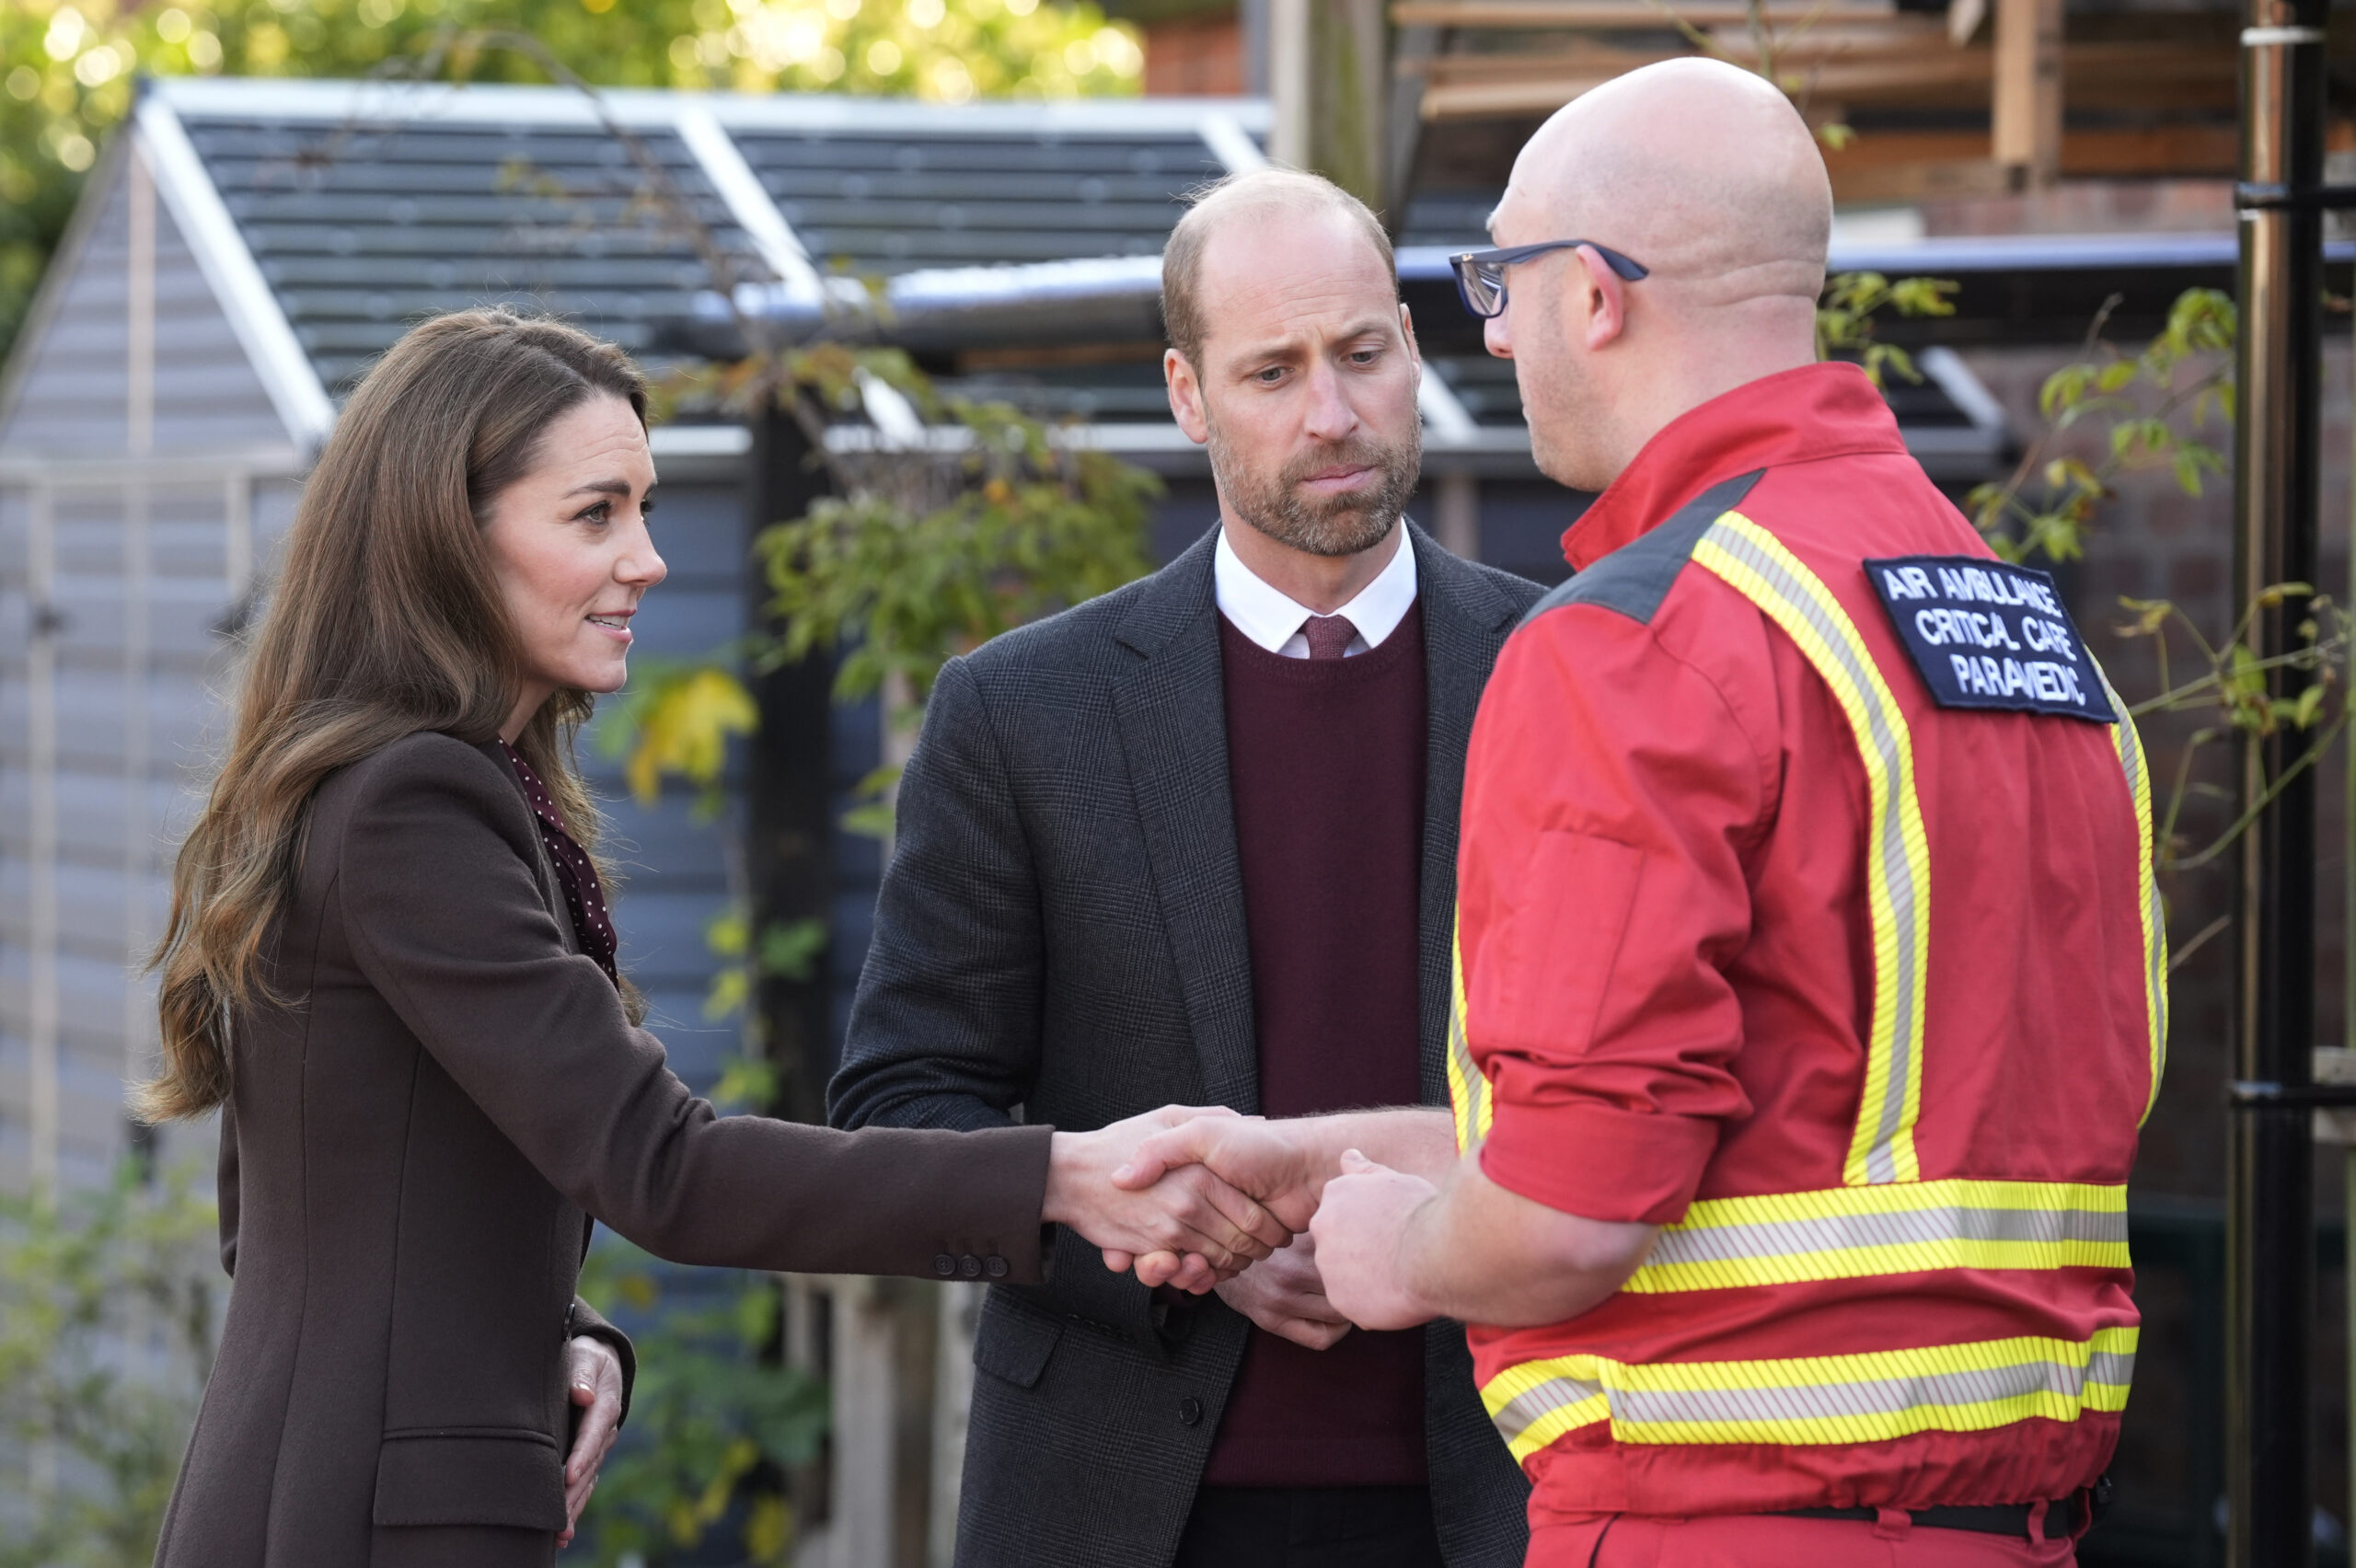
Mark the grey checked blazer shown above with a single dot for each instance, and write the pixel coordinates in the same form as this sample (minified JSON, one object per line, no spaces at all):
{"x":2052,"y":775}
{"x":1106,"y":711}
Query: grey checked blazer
{"x":1061,"y":930}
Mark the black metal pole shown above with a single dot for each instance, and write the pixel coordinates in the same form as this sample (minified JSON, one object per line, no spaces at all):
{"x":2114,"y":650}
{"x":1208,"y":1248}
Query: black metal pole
{"x":790,"y":845}
{"x":2269,"y":1247}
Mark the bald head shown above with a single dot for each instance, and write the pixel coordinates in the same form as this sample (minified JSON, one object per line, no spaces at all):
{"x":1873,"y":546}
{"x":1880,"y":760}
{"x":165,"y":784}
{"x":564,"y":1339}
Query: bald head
{"x":1701,"y":171}
{"x":1706,"y":176}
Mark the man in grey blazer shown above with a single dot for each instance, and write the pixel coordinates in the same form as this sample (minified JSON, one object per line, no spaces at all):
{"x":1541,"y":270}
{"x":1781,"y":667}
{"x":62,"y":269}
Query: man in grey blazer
{"x":1195,"y":842}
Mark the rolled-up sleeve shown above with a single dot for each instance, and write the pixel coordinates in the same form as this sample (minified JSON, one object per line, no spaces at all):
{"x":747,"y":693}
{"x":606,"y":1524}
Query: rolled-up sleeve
{"x":1610,"y":797}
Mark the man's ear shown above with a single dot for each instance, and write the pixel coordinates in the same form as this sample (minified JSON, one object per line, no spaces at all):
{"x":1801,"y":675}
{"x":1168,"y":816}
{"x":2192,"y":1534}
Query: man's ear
{"x":1407,"y":328}
{"x":1185,"y":397}
{"x":1597,"y":294}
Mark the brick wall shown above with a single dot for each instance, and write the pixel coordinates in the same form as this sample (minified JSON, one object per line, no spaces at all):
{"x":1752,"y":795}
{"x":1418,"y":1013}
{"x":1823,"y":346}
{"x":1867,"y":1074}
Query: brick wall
{"x":1193,"y":57}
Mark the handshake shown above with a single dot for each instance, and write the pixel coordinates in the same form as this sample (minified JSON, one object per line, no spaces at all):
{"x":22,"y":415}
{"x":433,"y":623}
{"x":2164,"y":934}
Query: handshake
{"x":1287,"y":1221}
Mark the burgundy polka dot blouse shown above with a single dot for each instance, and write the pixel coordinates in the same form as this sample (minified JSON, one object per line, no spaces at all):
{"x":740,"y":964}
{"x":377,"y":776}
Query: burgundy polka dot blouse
{"x":584,"y":896}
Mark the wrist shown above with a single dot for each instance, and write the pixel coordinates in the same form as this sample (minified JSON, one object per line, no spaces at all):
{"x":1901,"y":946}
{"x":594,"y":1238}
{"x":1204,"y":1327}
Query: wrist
{"x":1316,"y":1144}
{"x":1068,"y":1159}
{"x":1420,"y":1263}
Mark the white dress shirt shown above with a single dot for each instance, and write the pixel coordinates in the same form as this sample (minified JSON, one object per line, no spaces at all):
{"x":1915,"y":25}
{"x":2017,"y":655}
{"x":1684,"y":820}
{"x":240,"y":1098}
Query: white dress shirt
{"x":1272,"y":619}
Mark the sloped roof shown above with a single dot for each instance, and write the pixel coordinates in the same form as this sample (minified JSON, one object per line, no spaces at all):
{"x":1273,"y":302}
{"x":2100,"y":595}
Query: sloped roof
{"x":364,"y":206}
{"x":949,"y":197}
{"x":361,"y":231}
{"x":330,"y":216}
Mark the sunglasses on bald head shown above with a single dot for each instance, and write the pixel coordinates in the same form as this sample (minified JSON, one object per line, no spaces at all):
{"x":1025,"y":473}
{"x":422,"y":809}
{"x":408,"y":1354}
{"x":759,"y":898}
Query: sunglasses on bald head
{"x":1481,"y":274}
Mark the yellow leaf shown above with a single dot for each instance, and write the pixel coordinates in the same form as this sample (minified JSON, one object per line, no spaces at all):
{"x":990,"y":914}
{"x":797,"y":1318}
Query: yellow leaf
{"x":768,"y":1530}
{"x":685,"y":729}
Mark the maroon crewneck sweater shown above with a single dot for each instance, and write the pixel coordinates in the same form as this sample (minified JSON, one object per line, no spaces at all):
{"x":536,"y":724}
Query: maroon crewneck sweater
{"x":1325,"y":760}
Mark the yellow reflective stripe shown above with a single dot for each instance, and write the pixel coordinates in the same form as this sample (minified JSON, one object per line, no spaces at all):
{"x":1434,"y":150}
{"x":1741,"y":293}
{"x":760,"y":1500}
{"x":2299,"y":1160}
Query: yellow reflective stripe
{"x":1815,"y":1400}
{"x":2155,"y":929}
{"x":1901,"y":1227}
{"x":1534,"y":1403}
{"x":1755,"y":565}
{"x":1468,"y":1091}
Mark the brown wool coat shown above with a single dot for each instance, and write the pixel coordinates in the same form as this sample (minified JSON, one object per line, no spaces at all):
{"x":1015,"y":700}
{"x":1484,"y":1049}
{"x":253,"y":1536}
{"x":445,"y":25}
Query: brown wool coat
{"x":411,"y":1151}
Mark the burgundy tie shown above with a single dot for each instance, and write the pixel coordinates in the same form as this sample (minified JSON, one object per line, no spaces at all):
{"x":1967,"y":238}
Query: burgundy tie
{"x":1328,"y":635}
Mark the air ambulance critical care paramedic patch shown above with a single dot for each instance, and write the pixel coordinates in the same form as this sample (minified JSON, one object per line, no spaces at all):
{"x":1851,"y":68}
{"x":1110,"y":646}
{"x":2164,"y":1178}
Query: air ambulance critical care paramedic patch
{"x":1988,"y":635}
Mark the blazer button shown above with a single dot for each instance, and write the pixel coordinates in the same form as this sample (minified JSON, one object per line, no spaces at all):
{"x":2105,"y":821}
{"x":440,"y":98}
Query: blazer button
{"x":996,"y":1266}
{"x":970,"y":1266}
{"x":1190,"y":1411}
{"x":944,"y":1265}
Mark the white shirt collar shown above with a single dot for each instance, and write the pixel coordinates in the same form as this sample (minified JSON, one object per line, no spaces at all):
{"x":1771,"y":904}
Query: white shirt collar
{"x":1272,"y":619}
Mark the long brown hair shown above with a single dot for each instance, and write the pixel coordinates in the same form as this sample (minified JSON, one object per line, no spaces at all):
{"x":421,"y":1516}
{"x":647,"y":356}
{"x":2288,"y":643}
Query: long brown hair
{"x":386,"y":621}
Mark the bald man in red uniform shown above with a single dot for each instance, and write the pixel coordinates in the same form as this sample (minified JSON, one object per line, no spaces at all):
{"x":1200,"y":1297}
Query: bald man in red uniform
{"x":1810,"y":973}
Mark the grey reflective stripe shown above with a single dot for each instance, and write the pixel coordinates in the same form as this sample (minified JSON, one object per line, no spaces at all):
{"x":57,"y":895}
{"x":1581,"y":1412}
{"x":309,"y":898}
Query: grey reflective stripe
{"x":1912,"y":1227}
{"x":1841,"y":643}
{"x":1468,"y":1091}
{"x":1474,"y":1112}
{"x":2155,"y":914}
{"x":1554,"y":1393}
{"x":2115,"y":1368}
{"x":1884,"y":1396}
{"x":1874,"y":1397}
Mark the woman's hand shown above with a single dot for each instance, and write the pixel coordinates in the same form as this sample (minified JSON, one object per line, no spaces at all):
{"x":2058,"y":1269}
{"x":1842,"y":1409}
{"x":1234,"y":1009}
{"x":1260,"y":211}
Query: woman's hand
{"x":1208,"y":1230}
{"x":592,"y":1375}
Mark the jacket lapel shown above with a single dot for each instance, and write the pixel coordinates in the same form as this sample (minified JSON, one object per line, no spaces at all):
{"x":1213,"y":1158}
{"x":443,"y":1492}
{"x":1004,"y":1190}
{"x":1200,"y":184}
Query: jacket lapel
{"x":1466,"y":622}
{"x":1170,"y":699}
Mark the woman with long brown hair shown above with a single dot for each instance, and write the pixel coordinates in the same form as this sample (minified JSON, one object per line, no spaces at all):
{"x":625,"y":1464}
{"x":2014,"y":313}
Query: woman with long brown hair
{"x":391,"y":966}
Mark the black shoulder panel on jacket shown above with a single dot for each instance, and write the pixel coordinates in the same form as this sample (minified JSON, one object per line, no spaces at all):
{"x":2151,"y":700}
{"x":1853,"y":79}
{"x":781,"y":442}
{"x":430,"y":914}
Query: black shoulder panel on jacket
{"x":1636,"y":577}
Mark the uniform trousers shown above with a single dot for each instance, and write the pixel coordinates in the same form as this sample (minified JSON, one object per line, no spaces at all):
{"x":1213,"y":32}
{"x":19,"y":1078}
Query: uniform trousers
{"x":1778,"y":1540}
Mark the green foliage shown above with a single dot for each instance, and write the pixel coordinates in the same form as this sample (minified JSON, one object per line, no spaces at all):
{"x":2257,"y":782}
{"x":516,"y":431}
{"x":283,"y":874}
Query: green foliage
{"x":66,"y":66}
{"x":923,"y":559}
{"x":2152,"y":411}
{"x":2240,"y":691}
{"x":918,"y":555}
{"x":107,"y":1302}
{"x":2157,"y":403}
{"x":676,"y":716}
{"x":788,"y":949}
{"x":1845,"y":317}
{"x":714,"y":1422}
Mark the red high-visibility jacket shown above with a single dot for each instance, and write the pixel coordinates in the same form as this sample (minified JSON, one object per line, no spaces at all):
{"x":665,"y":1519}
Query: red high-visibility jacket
{"x":1827,"y":956}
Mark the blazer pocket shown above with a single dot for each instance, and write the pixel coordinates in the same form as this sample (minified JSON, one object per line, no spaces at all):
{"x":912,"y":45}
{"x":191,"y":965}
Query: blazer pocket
{"x":470,"y":1476}
{"x":1014,"y":1346}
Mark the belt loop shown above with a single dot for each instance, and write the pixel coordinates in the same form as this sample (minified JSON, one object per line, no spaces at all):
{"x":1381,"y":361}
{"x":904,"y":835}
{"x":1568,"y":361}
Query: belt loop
{"x":2088,"y":1504}
{"x":2036,"y":1512}
{"x":1892,"y":1524}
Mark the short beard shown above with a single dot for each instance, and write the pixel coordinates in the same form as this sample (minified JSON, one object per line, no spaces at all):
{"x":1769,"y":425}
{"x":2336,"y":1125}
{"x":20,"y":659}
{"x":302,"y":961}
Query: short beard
{"x":1344,"y":525}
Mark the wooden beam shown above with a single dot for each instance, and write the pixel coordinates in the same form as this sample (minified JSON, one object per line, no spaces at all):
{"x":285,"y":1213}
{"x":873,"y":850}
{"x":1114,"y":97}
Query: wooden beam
{"x":2098,"y":75}
{"x":1620,"y":13}
{"x":1506,"y":100}
{"x":1329,"y":82}
{"x":1349,"y":134}
{"x":1291,"y":77}
{"x":2025,"y":116}
{"x":1922,"y":165}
